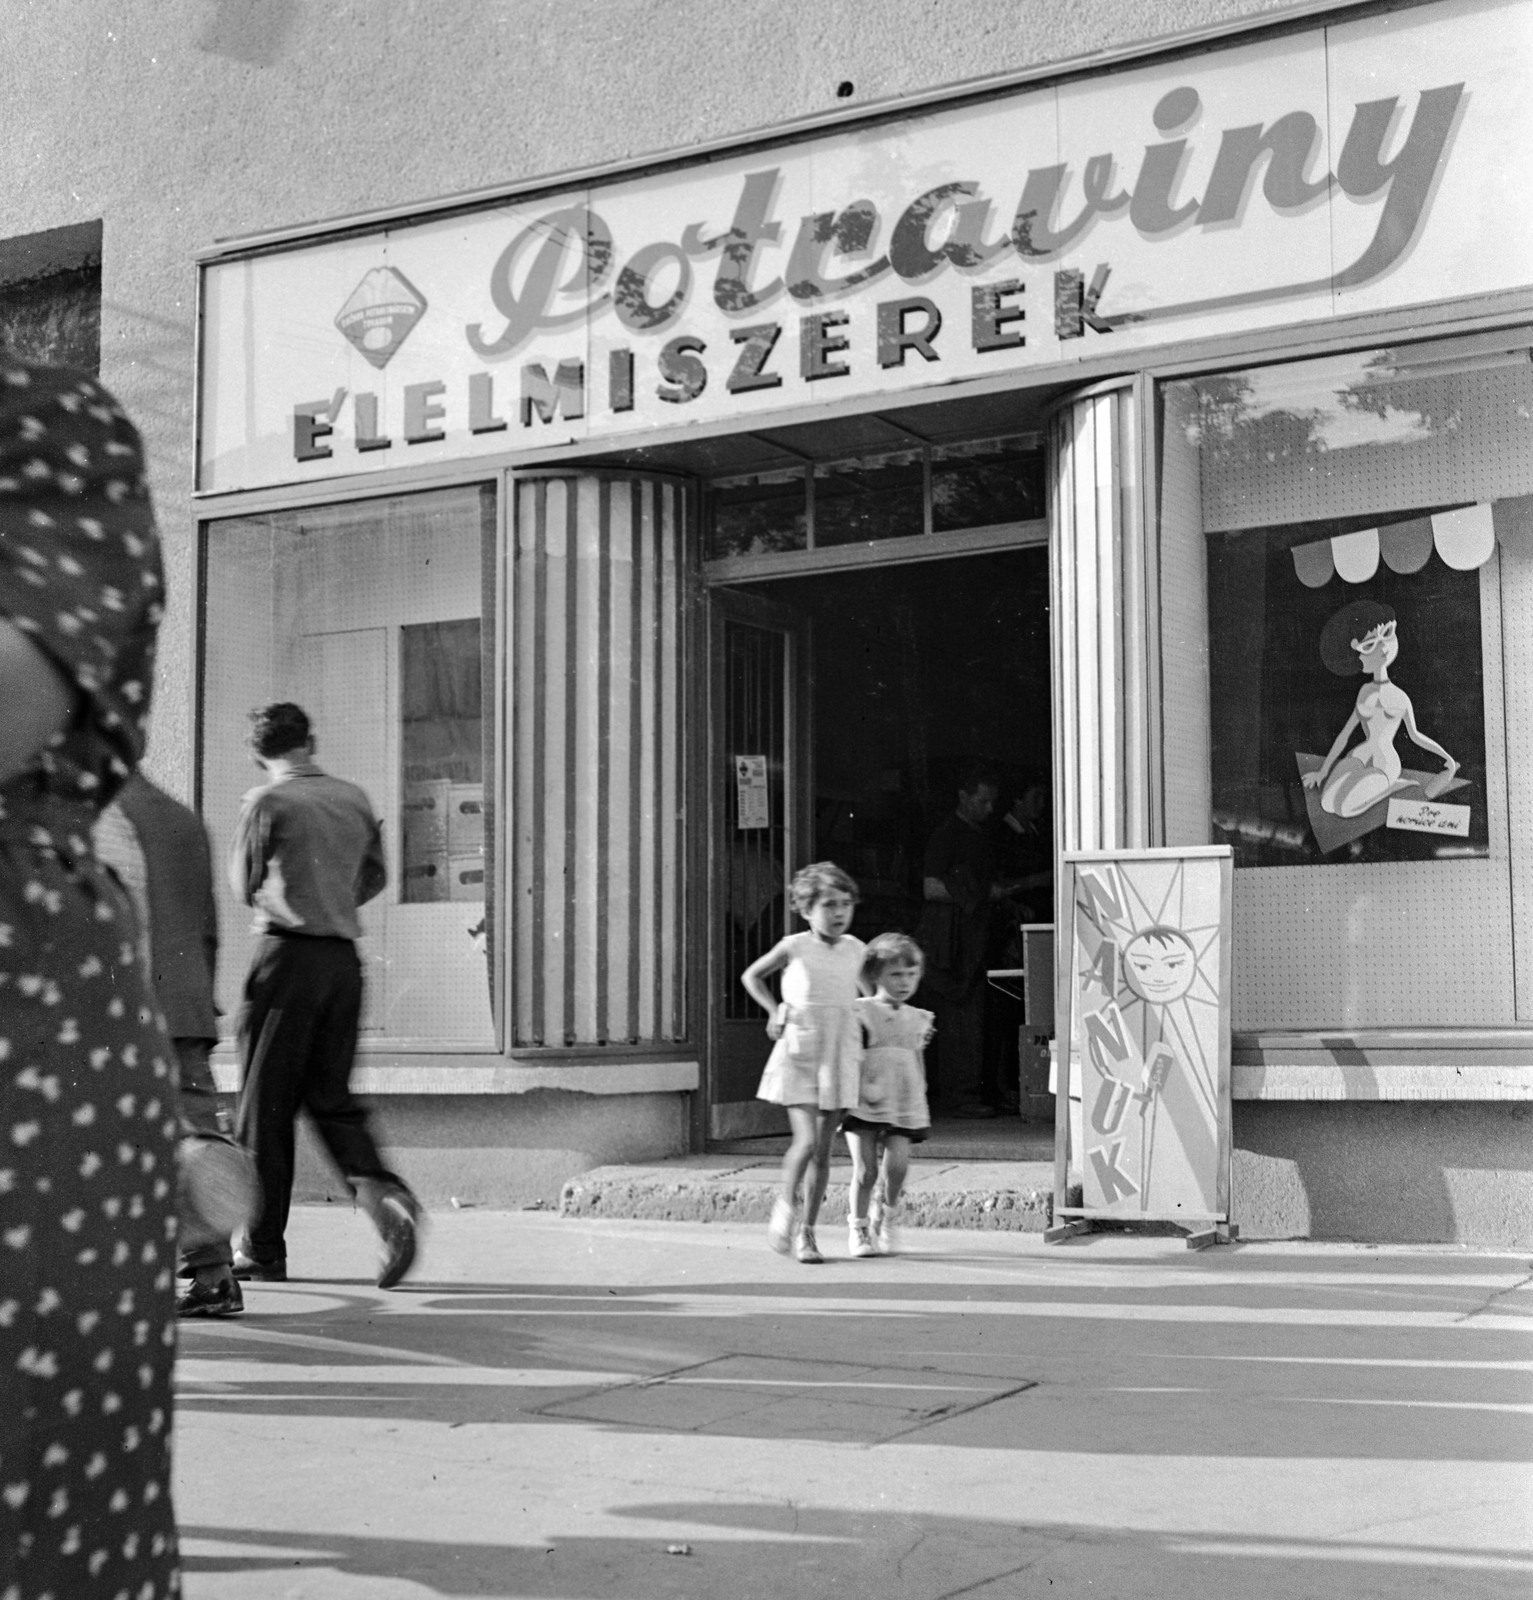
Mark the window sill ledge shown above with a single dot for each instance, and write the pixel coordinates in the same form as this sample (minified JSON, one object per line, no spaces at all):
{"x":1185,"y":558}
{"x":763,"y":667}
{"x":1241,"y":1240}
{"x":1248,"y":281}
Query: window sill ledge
{"x":1399,"y":1064}
{"x":425,"y":1074}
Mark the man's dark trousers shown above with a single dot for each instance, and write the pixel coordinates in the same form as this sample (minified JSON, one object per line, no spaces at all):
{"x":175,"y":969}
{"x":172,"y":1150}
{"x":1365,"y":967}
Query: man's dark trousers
{"x":298,"y":1037}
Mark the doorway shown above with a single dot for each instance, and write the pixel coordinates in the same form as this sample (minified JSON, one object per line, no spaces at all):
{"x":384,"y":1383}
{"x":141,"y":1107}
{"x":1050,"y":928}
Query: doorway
{"x":847,"y":706}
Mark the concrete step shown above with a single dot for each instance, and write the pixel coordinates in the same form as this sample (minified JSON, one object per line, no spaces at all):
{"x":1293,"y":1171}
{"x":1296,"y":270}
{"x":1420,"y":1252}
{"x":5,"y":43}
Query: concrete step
{"x":995,"y":1140}
{"x":1004,"y":1196}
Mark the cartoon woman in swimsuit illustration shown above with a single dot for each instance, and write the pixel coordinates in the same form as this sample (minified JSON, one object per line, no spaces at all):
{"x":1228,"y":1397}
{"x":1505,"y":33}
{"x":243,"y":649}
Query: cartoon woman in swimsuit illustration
{"x":1361,"y":638}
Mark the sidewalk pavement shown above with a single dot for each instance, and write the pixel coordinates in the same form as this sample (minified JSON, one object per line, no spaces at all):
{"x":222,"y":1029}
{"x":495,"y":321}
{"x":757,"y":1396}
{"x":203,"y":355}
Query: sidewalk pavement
{"x":1010,"y":1196}
{"x":596,"y":1410}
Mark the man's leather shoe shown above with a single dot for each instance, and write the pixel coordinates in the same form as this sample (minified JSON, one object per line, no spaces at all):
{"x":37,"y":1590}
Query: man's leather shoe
{"x":221,"y":1298}
{"x":250,"y":1270}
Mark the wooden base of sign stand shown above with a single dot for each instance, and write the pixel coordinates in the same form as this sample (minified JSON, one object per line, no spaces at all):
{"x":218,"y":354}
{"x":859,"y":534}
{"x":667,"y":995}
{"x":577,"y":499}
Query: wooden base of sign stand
{"x":1067,"y":1230}
{"x":1201,"y":1237}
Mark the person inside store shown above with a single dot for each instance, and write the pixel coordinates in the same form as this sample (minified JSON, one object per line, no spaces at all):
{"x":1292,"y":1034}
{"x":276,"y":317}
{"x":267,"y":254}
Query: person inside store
{"x":87,"y":1233}
{"x":1025,"y":842}
{"x":1027,"y":852}
{"x":964,"y":893}
{"x":308,"y":853}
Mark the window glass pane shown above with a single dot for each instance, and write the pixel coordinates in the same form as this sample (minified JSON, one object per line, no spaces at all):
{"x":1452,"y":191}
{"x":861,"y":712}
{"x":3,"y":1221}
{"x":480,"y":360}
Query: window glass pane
{"x":756,"y":516}
{"x":370,"y":615}
{"x":879,"y":498}
{"x":1356,"y":435}
{"x":987,"y":484}
{"x":1346,"y":552}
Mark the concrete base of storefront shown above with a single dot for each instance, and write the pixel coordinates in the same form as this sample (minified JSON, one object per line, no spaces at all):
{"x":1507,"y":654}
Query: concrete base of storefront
{"x":1388,"y":1172}
{"x":503,"y":1150}
{"x":1383,"y":1172}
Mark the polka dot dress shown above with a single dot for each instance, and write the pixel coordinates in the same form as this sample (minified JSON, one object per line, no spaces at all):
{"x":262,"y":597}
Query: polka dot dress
{"x":88,"y":1122}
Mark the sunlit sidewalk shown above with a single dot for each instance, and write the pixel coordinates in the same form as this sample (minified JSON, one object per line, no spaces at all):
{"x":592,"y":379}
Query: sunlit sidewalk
{"x":563,"y":1408}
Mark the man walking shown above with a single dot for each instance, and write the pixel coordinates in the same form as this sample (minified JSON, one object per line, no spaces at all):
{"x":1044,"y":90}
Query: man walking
{"x":307,"y":853}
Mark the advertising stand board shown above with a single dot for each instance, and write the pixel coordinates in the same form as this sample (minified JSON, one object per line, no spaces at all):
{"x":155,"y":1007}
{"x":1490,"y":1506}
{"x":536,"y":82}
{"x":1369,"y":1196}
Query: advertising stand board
{"x":1144,"y":1002}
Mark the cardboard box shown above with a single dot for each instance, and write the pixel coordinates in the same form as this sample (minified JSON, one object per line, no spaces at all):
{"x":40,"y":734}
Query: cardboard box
{"x":465,"y":875}
{"x":425,"y":880}
{"x":423,"y":821}
{"x":465,"y":819}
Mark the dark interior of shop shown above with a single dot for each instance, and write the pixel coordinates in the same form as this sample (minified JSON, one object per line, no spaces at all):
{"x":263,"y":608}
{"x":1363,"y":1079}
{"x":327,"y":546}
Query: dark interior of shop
{"x":920,"y":670}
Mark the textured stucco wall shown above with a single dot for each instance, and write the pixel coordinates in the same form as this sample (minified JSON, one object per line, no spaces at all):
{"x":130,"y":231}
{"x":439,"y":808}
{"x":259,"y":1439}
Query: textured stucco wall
{"x":1400,"y":1173}
{"x":179,"y":122}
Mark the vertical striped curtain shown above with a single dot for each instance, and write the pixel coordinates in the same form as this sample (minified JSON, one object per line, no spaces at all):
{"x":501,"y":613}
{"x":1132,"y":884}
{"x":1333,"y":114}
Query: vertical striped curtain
{"x":596,"y":868}
{"x":1101,"y":588}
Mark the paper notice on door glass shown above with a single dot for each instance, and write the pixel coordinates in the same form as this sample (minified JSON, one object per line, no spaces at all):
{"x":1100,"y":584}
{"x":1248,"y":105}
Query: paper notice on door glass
{"x":751,"y":792}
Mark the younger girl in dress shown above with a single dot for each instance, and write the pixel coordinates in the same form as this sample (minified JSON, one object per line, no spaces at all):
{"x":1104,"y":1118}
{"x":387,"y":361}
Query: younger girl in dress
{"x":891,"y":1113}
{"x":816,"y":1061}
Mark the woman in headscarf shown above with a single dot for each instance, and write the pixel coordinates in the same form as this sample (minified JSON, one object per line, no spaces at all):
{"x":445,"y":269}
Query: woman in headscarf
{"x":88,"y":1124}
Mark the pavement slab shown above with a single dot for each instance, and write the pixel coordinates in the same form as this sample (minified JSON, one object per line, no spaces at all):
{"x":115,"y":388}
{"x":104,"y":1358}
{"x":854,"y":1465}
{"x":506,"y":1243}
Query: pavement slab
{"x":562,"y":1407}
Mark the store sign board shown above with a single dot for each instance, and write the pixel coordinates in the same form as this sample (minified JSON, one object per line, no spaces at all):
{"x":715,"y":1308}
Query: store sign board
{"x":1352,"y":168}
{"x":1149,"y":1031}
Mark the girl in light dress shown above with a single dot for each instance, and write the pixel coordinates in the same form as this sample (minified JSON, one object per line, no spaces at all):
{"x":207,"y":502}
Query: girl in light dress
{"x":891,"y":1112}
{"x":815,"y":1066}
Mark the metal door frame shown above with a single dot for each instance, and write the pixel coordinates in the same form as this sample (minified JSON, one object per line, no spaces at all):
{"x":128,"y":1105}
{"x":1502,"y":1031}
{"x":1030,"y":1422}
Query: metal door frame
{"x":723,"y":606}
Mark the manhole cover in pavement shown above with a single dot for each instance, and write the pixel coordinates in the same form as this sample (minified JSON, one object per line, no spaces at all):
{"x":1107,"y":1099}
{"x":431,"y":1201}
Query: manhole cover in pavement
{"x":774,"y":1397}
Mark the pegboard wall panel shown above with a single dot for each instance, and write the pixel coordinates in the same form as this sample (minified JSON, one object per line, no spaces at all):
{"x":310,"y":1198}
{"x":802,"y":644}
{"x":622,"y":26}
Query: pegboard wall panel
{"x":1517,"y":628}
{"x":1183,"y":630}
{"x":1392,"y":945}
{"x":1308,"y":444}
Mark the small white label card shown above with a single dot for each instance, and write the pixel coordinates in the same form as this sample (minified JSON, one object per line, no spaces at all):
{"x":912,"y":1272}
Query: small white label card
{"x":751,"y":790}
{"x":1429,"y":816}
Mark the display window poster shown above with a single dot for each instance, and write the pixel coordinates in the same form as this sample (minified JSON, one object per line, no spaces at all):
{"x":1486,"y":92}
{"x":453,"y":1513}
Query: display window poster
{"x":1149,"y":995}
{"x":1346,"y":689}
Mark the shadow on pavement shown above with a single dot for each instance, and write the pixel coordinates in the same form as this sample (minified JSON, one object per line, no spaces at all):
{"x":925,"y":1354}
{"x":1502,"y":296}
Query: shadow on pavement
{"x":1375,"y":1366}
{"x":745,"y":1551}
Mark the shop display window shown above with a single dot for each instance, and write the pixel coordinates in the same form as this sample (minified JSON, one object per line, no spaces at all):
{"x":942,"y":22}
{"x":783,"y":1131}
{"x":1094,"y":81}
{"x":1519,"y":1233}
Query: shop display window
{"x":371,"y":615}
{"x":1346,"y":563}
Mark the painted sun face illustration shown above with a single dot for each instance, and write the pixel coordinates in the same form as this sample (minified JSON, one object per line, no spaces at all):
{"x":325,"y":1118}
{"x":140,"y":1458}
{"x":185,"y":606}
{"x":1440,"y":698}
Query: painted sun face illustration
{"x":1159,"y":965}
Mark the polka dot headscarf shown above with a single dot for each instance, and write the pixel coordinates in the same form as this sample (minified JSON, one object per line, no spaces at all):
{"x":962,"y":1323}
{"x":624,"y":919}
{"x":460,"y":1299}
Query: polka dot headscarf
{"x":80,"y":564}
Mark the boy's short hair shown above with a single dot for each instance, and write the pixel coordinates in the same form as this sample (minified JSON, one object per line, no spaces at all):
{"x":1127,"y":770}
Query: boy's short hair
{"x":890,"y":950}
{"x":276,"y":729}
{"x":817,"y":880}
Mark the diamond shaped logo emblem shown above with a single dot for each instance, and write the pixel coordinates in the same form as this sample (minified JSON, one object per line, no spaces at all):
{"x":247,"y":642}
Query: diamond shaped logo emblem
{"x":381,"y":311}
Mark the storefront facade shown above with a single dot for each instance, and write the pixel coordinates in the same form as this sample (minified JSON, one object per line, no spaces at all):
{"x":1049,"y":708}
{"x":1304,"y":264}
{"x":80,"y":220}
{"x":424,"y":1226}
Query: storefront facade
{"x":559,"y":507}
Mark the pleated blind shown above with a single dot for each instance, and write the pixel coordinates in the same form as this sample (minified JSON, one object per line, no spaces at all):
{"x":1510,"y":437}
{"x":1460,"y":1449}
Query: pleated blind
{"x":596,"y":864}
{"x":1103,"y":782}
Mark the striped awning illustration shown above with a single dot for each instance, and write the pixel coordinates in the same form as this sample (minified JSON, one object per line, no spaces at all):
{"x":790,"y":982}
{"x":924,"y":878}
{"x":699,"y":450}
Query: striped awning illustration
{"x":1463,"y":538}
